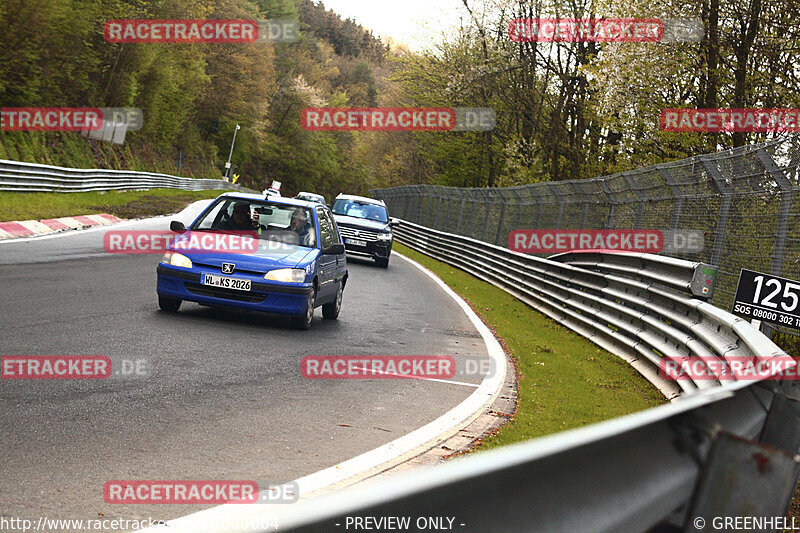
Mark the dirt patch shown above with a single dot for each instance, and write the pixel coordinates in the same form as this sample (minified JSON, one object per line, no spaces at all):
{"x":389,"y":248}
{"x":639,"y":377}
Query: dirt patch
{"x":148,"y":206}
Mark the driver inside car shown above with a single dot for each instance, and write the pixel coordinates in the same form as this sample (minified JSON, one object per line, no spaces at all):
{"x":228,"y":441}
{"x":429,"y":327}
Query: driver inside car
{"x":241,"y":219}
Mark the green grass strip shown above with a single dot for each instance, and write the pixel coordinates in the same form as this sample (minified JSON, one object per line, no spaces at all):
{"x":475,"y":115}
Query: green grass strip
{"x":564,"y":380}
{"x":124,"y":204}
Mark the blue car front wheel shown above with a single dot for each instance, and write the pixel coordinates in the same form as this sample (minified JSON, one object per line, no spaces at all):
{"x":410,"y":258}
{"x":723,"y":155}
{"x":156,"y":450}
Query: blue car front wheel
{"x":170,"y":305}
{"x":331,"y":310}
{"x":304,"y":321}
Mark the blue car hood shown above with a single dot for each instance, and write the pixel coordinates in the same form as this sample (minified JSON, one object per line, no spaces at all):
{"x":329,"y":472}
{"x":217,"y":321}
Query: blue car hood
{"x":270,"y":255}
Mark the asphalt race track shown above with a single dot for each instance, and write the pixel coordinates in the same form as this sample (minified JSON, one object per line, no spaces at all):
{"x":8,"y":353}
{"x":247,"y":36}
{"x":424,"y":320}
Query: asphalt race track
{"x":222,"y":398}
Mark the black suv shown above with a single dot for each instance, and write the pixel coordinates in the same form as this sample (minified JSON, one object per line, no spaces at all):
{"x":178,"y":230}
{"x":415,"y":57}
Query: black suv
{"x":365,"y":227}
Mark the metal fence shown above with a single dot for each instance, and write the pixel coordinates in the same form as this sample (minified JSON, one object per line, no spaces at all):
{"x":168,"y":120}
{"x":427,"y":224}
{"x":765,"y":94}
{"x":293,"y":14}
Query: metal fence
{"x":29,"y":177}
{"x":742,"y":200}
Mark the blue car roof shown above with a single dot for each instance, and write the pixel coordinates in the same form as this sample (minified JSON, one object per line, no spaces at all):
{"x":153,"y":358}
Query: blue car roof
{"x":275,"y":199}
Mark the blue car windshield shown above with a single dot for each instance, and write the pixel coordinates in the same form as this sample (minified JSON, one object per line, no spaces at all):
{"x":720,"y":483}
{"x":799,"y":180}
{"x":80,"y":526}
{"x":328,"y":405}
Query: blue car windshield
{"x":271,"y":221}
{"x":354,"y":208}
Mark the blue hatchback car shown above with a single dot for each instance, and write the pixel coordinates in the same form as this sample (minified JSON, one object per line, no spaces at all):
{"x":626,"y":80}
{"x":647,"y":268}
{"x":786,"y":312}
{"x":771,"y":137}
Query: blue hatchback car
{"x":276,"y":255}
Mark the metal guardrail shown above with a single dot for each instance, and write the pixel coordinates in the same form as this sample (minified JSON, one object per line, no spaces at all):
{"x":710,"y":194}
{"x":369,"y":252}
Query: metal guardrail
{"x":744,"y":201}
{"x":30,"y":177}
{"x":659,"y":467}
{"x":641,"y":307}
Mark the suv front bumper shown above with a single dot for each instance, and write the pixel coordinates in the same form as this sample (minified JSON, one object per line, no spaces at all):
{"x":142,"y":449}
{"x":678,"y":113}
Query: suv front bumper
{"x":373,"y":249}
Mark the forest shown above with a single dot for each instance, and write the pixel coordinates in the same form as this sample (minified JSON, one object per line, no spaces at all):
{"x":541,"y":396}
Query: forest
{"x":565,"y":110}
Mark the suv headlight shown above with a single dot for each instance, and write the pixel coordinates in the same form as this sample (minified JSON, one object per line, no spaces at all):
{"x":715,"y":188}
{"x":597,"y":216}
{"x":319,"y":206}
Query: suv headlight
{"x":176,"y":259}
{"x":287,"y":275}
{"x":384,"y":236}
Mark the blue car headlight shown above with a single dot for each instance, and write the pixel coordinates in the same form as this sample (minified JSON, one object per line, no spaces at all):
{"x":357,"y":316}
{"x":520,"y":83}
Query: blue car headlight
{"x":176,"y":259}
{"x":384,"y":236}
{"x":287,"y":275}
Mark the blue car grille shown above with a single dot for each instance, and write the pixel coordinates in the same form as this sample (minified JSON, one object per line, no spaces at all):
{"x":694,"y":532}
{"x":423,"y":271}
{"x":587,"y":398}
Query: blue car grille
{"x":237,"y":271}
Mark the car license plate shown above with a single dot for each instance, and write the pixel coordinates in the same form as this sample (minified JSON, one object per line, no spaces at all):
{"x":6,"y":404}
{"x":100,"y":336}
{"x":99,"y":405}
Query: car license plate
{"x":356,"y":242}
{"x":226,"y":283}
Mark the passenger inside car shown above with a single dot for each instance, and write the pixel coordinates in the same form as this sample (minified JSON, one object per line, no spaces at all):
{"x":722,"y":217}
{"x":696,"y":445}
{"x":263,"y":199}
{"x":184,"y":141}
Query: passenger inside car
{"x":300,"y":225}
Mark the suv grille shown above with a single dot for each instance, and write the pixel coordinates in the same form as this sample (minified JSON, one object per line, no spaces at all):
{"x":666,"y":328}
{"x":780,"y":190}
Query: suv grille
{"x":364,"y":235}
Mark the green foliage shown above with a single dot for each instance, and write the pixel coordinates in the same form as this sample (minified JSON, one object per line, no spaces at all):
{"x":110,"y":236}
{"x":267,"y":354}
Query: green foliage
{"x":192,"y":95}
{"x":564,"y":110}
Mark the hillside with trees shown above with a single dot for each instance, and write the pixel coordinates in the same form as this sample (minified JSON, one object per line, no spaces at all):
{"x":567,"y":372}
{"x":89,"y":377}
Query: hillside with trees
{"x":564,"y":110}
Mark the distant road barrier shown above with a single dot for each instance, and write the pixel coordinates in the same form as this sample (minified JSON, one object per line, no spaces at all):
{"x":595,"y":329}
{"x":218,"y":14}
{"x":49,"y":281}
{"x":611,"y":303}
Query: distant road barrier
{"x":30,"y":177}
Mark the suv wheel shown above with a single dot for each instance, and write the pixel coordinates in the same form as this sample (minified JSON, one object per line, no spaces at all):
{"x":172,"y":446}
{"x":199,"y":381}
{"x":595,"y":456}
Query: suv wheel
{"x":331,"y":310}
{"x":304,"y":321}
{"x":382,"y":262}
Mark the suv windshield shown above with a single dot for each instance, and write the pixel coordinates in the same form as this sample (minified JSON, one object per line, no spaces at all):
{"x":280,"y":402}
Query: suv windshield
{"x":356,"y":209}
{"x":273,"y":222}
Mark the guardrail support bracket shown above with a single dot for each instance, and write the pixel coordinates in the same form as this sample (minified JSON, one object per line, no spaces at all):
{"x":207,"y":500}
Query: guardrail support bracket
{"x":782,"y":427}
{"x":743,"y":478}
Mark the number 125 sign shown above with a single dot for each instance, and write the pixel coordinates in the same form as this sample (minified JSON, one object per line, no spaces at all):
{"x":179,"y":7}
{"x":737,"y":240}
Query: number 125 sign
{"x":768,"y":298}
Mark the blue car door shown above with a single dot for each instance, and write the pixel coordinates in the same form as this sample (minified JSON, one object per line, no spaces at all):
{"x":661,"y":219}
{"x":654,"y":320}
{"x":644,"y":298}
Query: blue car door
{"x":341,"y":259}
{"x":327,"y":263}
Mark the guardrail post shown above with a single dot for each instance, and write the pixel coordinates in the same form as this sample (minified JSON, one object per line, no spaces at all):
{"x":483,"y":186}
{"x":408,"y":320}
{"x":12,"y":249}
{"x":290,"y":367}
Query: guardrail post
{"x":538,"y":201}
{"x":677,"y":195}
{"x":557,"y":193}
{"x":642,"y":200}
{"x":420,"y":194}
{"x":724,"y":208}
{"x":585,"y":211}
{"x":472,"y":203}
{"x":500,"y":219}
{"x":742,"y":475}
{"x":782,"y":229}
{"x":461,"y":213}
{"x":612,"y":203}
{"x":437,"y":215}
{"x":515,"y":192}
{"x":782,"y":427}
{"x":518,"y":198}
{"x":403,"y":193}
{"x":488,"y":203}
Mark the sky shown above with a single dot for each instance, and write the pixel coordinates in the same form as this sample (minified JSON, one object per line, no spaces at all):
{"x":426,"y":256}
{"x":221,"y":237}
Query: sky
{"x":417,"y":23}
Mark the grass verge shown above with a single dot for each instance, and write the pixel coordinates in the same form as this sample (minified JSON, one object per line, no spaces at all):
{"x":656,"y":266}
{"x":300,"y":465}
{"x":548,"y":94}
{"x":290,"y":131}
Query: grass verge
{"x":124,"y":204}
{"x":564,"y":381}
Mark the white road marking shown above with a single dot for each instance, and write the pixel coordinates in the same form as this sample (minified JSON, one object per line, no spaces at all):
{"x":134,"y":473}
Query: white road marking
{"x":237,"y":517}
{"x":403,"y":376}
